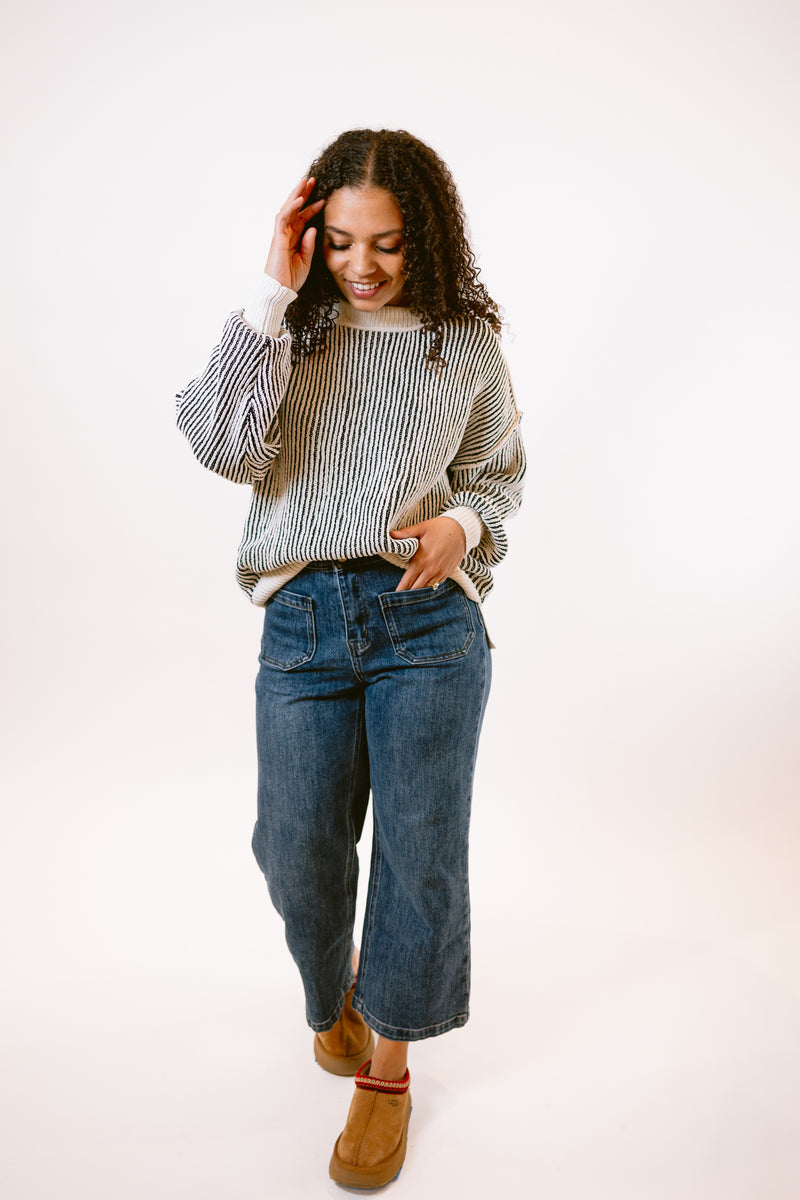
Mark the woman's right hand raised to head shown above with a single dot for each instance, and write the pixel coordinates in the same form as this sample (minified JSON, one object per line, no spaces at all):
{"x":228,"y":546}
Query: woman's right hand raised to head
{"x":289,"y":258}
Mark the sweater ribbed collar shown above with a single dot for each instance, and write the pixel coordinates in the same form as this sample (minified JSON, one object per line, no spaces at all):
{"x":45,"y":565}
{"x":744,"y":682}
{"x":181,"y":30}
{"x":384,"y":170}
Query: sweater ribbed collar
{"x":386,"y":319}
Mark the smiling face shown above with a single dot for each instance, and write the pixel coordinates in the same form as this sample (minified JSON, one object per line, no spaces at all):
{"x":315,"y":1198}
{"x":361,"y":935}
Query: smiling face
{"x":363,"y":246}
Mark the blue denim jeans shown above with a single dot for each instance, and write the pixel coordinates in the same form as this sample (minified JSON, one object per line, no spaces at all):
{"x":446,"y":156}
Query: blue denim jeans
{"x":361,"y":688}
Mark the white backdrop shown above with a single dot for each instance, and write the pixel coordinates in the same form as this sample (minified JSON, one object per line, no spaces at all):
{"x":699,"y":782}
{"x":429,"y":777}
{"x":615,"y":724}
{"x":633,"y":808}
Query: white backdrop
{"x":631,"y":175}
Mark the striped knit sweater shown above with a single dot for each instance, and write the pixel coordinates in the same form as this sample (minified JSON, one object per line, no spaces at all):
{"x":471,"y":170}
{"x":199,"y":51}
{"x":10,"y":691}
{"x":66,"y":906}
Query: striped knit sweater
{"x":358,"y":439}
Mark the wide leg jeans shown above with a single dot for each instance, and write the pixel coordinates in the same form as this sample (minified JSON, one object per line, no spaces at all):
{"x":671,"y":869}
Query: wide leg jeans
{"x":362,"y":688}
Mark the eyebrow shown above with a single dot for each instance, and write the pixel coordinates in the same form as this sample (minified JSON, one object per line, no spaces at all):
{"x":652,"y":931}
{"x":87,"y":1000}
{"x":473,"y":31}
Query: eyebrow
{"x":375,"y":236}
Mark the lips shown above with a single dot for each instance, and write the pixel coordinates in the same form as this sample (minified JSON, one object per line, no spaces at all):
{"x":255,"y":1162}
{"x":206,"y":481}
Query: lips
{"x":365,"y":290}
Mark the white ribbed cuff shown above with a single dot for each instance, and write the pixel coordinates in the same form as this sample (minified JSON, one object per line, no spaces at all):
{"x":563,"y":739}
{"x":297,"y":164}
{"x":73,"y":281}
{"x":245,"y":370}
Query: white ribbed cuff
{"x":267,"y":305}
{"x":470,"y":522}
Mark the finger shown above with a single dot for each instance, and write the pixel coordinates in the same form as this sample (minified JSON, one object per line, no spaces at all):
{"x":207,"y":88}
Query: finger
{"x":296,"y":223}
{"x":302,"y":189}
{"x":294,"y":202}
{"x":410,"y":579}
{"x":307,"y":214}
{"x":313,"y":209}
{"x":304,"y":195}
{"x":307,"y":245}
{"x":290,"y":212}
{"x":420,"y":573}
{"x":425,"y":580}
{"x":406,"y":531}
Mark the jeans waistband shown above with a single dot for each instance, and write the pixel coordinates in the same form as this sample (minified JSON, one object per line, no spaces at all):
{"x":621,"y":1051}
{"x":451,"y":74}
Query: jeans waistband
{"x":349,"y":564}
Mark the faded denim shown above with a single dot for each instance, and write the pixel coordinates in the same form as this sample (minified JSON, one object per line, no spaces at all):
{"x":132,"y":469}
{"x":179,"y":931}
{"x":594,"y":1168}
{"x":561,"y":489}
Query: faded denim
{"x":364,"y":688}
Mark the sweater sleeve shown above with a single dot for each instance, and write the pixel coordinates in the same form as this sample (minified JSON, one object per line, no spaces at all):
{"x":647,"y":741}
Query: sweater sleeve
{"x":487,"y":473}
{"x":229,"y":412}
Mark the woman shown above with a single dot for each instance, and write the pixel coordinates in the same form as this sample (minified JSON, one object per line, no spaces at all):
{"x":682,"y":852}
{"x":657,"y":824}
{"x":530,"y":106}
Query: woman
{"x":364,"y":397}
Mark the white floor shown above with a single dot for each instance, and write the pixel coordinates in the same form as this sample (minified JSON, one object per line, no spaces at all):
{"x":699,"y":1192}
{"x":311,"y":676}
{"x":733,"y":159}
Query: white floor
{"x":157,"y":1049}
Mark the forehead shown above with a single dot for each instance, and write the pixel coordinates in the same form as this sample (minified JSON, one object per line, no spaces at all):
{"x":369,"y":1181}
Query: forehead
{"x":363,"y":210}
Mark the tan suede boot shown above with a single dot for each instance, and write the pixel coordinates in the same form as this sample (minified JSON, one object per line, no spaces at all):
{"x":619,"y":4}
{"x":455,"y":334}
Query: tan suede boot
{"x":372,"y":1147}
{"x":342,"y":1049}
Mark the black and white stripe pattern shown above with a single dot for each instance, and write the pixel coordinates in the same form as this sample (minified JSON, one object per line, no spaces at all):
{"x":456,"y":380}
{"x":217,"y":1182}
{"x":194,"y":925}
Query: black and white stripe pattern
{"x":357,"y":440}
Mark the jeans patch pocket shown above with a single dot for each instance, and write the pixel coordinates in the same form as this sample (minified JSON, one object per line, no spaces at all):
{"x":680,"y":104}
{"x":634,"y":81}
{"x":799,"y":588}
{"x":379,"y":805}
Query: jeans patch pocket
{"x":289,"y":638}
{"x":428,"y":626}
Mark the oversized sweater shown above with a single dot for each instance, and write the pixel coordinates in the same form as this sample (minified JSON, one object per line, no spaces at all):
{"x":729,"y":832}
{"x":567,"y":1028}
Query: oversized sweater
{"x":358,"y":439}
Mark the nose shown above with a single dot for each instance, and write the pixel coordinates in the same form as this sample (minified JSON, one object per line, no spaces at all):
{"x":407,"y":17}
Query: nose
{"x":362,"y":260}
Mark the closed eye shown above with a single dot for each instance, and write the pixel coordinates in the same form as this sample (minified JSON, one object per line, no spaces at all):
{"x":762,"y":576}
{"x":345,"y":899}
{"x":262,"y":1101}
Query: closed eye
{"x":380,"y":249}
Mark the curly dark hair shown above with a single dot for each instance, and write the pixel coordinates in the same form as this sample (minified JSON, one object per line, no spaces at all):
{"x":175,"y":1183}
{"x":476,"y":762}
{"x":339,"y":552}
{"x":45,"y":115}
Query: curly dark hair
{"x":441,"y":276}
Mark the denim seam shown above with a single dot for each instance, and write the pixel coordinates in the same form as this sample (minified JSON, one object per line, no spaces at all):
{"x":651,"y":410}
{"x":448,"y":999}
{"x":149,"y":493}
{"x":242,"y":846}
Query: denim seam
{"x":369,"y":915}
{"x":409,"y":1035}
{"x":353,"y":663}
{"x":352,"y":851}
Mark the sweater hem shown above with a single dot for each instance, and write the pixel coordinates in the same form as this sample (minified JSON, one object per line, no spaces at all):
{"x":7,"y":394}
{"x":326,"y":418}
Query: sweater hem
{"x":270,"y":582}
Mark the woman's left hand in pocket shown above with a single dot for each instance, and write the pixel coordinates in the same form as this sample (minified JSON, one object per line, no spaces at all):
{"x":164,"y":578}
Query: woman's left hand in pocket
{"x":442,"y":545}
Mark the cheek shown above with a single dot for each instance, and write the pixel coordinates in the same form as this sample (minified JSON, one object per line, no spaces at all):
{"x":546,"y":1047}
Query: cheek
{"x":332,"y":259}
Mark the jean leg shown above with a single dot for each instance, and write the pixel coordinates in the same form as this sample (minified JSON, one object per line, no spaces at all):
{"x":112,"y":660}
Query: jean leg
{"x":313,"y":789}
{"x":423,"y":725}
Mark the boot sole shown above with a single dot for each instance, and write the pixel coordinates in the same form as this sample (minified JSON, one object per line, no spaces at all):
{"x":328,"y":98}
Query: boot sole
{"x":336,"y":1064}
{"x":370,"y":1177}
